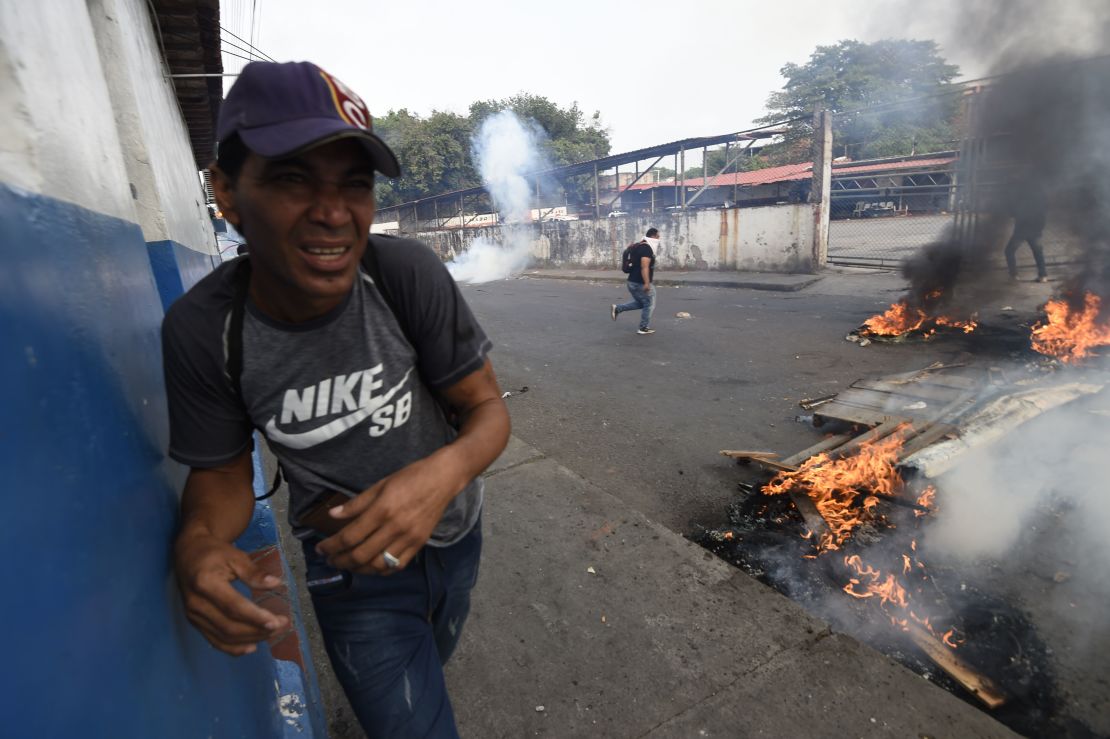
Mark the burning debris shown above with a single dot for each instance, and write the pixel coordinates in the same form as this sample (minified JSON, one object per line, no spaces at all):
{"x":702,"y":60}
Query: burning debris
{"x":858,"y":502}
{"x":1070,"y":334}
{"x":924,"y":316}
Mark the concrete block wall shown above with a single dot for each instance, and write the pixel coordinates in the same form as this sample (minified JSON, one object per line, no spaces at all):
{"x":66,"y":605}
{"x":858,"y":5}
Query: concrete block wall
{"x":102,"y":225}
{"x":775,"y":238}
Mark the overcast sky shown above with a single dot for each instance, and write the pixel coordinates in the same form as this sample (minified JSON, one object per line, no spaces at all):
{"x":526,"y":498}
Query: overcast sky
{"x":657,"y":71}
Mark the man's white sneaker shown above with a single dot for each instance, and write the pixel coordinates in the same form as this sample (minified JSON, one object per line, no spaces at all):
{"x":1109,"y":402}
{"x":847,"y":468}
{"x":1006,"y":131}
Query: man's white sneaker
{"x":613,"y":311}
{"x":645,"y":330}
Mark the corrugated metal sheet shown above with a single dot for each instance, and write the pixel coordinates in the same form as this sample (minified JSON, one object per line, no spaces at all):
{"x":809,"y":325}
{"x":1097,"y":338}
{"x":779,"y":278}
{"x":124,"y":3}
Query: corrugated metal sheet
{"x":190,"y":38}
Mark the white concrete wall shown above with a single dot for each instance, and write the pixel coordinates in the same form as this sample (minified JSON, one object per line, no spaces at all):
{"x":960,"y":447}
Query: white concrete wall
{"x":87,"y":116}
{"x":155,"y":141}
{"x":775,"y":238}
{"x":57,"y":129}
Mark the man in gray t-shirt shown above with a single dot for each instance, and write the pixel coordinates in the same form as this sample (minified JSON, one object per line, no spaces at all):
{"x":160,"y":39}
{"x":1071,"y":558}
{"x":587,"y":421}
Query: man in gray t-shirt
{"x":363,"y":367}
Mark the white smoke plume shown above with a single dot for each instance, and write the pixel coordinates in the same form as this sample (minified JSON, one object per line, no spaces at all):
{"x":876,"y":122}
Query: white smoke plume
{"x":505,"y":150}
{"x":1039,"y":493}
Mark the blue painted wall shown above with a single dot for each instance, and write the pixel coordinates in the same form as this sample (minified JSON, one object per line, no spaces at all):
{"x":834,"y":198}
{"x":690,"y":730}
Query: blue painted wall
{"x":97,"y":644}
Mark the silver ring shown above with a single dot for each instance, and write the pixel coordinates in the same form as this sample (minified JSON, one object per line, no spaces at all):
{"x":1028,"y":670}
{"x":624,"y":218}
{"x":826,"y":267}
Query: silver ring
{"x":390,"y":561}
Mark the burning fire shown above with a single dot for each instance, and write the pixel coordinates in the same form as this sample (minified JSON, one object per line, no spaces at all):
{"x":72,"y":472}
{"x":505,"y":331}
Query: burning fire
{"x":966,"y":326}
{"x":868,"y":582}
{"x":925,"y":500}
{"x":1069,"y":335}
{"x":834,"y":484}
{"x":900,"y":319}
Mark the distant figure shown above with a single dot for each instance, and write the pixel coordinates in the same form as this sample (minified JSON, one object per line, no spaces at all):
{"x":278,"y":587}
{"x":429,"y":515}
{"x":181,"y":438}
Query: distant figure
{"x":1029,"y":209}
{"x":639,"y":262}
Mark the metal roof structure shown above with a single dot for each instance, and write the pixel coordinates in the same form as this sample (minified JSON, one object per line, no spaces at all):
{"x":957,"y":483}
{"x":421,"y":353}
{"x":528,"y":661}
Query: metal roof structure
{"x":189,"y":33}
{"x":803,"y":171}
{"x":593,"y":166}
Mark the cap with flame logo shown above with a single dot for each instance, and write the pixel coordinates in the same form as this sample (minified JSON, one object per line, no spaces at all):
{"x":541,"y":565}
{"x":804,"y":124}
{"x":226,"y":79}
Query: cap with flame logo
{"x":282,"y":109}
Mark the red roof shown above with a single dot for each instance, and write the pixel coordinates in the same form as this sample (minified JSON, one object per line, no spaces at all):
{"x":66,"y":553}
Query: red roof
{"x":801,"y":171}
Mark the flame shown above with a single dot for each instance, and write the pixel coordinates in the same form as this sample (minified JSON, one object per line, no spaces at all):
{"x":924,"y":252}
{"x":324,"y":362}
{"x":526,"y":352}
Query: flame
{"x":966,"y":326}
{"x":900,"y":318}
{"x":869,"y":582}
{"x":887,"y":588}
{"x":834,"y":484}
{"x":1069,"y":334}
{"x":925,"y":500}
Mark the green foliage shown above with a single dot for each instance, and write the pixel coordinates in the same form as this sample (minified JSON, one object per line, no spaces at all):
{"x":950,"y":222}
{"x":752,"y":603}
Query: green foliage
{"x":435,"y":152}
{"x":854,"y":76}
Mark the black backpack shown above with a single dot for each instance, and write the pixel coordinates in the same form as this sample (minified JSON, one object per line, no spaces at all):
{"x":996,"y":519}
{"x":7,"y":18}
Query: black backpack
{"x":626,"y":258}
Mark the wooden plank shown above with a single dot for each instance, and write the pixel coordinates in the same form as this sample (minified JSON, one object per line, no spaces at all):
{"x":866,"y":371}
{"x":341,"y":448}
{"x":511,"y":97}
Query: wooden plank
{"x":934,"y":433}
{"x":747,"y":456}
{"x":913,"y":391}
{"x":839,"y":411}
{"x":773,"y":466}
{"x":813,"y":518}
{"x":981,"y":686}
{"x":829,"y":442}
{"x":883,"y":430}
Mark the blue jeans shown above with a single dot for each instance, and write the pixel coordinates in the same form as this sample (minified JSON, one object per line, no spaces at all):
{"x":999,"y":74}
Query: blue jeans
{"x":389,"y":637}
{"x":642,"y":301}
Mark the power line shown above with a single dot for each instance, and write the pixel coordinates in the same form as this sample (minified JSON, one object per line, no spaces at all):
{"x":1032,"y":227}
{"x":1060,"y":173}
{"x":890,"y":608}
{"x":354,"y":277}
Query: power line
{"x":237,"y":56}
{"x":258,"y":51}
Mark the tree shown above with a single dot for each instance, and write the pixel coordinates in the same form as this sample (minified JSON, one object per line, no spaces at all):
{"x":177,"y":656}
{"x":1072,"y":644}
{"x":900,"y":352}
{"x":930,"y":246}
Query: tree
{"x":434,"y":155}
{"x":866,"y":86}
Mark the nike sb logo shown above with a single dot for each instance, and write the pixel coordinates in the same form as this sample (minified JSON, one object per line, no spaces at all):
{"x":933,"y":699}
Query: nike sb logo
{"x":356,"y":395}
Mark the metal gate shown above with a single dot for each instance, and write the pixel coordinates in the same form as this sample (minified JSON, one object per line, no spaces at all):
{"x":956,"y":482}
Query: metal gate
{"x":882,"y":211}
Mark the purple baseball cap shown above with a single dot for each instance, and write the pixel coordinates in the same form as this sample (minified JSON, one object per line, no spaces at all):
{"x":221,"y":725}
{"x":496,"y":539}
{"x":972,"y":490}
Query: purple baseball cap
{"x":281,"y":109}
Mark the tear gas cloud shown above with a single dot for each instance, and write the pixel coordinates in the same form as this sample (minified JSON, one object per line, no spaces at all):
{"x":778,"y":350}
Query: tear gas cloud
{"x":506,"y":149}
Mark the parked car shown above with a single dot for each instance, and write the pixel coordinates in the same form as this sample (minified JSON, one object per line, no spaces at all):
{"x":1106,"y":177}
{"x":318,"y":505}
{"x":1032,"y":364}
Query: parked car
{"x":874,"y":210}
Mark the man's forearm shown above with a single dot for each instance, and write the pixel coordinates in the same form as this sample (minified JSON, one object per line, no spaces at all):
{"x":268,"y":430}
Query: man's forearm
{"x":645,"y":272}
{"x":219,"y":501}
{"x":482,"y":438}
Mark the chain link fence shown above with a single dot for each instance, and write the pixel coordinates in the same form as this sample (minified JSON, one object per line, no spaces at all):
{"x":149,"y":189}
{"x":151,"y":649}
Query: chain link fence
{"x":894,"y":184}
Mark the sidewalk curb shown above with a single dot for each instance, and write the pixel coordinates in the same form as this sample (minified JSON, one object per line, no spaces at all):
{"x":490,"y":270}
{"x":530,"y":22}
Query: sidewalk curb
{"x":695,"y":282}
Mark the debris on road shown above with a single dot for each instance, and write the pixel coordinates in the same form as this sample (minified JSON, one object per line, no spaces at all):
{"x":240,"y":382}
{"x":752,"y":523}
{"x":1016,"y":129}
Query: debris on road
{"x":809,"y":404}
{"x":682,"y":314}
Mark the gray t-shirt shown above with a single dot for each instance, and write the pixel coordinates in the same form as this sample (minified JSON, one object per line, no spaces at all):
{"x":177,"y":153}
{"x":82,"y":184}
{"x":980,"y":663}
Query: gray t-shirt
{"x":344,"y":399}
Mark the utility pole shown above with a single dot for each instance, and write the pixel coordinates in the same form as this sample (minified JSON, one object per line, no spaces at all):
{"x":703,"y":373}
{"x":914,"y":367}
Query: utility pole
{"x":822,"y":184}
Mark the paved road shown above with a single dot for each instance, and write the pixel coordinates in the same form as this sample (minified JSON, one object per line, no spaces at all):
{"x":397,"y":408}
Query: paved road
{"x":644,"y":417}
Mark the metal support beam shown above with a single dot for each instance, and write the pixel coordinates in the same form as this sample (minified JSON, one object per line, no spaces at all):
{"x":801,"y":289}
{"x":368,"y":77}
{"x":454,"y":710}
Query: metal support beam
{"x":682,"y":174}
{"x":728,"y":163}
{"x":597,"y":197}
{"x":620,"y":190}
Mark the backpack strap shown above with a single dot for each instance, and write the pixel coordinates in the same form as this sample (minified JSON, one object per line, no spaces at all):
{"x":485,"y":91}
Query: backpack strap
{"x":374,"y":270}
{"x":240,"y":286}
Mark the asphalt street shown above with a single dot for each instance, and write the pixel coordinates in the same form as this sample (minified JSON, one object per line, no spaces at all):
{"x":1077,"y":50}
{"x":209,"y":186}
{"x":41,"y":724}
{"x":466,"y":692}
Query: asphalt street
{"x":644,"y":417}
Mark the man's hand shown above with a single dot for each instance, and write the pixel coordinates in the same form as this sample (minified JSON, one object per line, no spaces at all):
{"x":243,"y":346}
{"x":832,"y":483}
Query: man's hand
{"x":399,"y":513}
{"x":647,"y":288}
{"x":216,"y":508}
{"x":396,"y":515}
{"x":206,"y":567}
